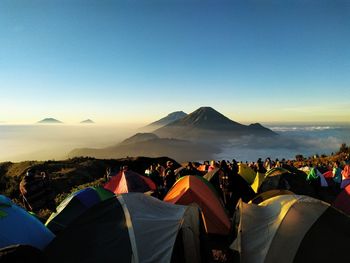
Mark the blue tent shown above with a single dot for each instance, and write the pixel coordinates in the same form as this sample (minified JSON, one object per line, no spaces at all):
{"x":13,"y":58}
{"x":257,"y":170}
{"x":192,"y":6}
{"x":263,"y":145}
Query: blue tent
{"x":19,"y":227}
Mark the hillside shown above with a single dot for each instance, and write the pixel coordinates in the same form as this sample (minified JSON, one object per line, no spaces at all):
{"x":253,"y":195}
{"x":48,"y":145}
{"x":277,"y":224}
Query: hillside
{"x":207,"y":123}
{"x":152,"y":146}
{"x":68,"y":174}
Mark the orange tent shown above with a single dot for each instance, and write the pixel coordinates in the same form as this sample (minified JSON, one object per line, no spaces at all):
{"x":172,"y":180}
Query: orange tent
{"x":192,"y":189}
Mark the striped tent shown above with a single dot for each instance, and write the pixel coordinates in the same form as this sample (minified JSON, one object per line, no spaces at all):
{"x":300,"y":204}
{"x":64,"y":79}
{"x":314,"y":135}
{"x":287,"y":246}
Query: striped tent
{"x":74,"y":205}
{"x":291,"y":228}
{"x":129,"y":181}
{"x":192,"y":189}
{"x":17,"y":226}
{"x":132,"y":227}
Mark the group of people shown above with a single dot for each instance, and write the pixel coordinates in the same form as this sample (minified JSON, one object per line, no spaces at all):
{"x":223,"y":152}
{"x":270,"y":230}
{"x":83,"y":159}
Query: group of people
{"x":36,"y":191}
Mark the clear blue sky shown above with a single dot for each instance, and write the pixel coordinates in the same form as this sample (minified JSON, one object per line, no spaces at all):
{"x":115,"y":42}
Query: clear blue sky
{"x":132,"y":61}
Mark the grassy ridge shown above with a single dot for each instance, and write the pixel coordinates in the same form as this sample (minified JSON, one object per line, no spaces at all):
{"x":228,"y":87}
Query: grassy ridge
{"x":68,"y":176}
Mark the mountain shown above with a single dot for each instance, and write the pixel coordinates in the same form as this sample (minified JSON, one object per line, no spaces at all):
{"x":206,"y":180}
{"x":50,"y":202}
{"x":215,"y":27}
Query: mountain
{"x":87,"y":121}
{"x":207,"y":123}
{"x":49,"y":121}
{"x":148,"y":144}
{"x":171,"y":117}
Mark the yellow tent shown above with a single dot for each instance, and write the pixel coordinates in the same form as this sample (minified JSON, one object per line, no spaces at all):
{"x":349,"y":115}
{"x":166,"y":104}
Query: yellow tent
{"x":246,"y":172}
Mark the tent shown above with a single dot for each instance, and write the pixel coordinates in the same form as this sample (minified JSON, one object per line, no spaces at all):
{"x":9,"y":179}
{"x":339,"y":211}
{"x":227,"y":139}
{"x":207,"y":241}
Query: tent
{"x":129,"y":181}
{"x":21,"y":253}
{"x":19,"y":227}
{"x":192,"y":189}
{"x":132,"y":227}
{"x":246,"y":172}
{"x":342,"y":202}
{"x":269,"y":194}
{"x":259,"y":178}
{"x":291,"y":228}
{"x":276,"y":171}
{"x":285,"y":180}
{"x":74,"y":205}
{"x":213,"y":178}
{"x":241,"y":188}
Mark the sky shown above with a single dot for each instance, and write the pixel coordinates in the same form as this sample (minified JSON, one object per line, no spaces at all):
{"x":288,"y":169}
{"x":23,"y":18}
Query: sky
{"x":131,"y":61}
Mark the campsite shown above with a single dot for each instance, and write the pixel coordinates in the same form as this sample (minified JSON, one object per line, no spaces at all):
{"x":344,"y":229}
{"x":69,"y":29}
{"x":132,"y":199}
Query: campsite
{"x":174,"y":131}
{"x":114,"y":205}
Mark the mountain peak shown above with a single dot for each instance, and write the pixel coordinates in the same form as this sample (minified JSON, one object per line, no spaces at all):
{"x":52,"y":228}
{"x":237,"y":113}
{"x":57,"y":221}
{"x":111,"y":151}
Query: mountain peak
{"x":49,"y":120}
{"x":87,"y":121}
{"x":205,"y":118}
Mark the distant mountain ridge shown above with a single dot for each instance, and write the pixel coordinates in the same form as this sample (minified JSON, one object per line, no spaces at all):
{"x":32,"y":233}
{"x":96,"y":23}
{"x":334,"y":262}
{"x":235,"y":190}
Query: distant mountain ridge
{"x":196,"y":136}
{"x":49,"y":120}
{"x":171,"y":117}
{"x":206,"y":122}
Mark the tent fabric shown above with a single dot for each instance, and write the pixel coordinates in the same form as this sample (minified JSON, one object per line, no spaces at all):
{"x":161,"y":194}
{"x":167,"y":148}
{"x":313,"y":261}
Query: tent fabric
{"x":259,"y":178}
{"x":129,"y":181}
{"x":157,"y":224}
{"x":21,"y":253}
{"x":276,"y":171}
{"x":313,"y":174}
{"x":132,"y":227}
{"x":209,"y":175}
{"x":246,"y":172}
{"x":294,"y":222}
{"x":19,"y":227}
{"x":269,"y":194}
{"x":191,"y":189}
{"x":74,"y":205}
{"x":342,"y":202}
{"x":328,"y":174}
{"x":93,"y":236}
{"x":294,"y":182}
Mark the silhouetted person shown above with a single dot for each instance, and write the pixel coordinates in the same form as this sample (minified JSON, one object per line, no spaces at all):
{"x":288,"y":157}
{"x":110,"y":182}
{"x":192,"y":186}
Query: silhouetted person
{"x":169,"y":176}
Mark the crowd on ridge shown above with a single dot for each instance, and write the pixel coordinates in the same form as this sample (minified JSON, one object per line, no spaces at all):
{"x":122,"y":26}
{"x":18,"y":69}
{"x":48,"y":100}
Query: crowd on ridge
{"x":36,"y":191}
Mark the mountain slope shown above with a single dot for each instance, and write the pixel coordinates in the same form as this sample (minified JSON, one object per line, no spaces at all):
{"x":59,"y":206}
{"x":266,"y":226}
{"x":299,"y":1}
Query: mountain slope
{"x":180,"y":150}
{"x":171,"y":117}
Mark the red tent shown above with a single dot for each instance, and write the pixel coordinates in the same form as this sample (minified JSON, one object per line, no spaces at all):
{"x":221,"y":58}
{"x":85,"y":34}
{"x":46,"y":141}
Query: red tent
{"x":328,"y":174}
{"x":129,"y":181}
{"x":342,"y":202}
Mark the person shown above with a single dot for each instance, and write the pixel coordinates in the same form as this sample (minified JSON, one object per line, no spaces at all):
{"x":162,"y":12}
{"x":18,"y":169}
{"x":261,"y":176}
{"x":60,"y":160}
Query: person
{"x":169,"y":176}
{"x":191,"y":170}
{"x":36,"y":192}
{"x":154,"y":175}
{"x":107,"y":175}
{"x":213,"y":165}
{"x":260,"y":166}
